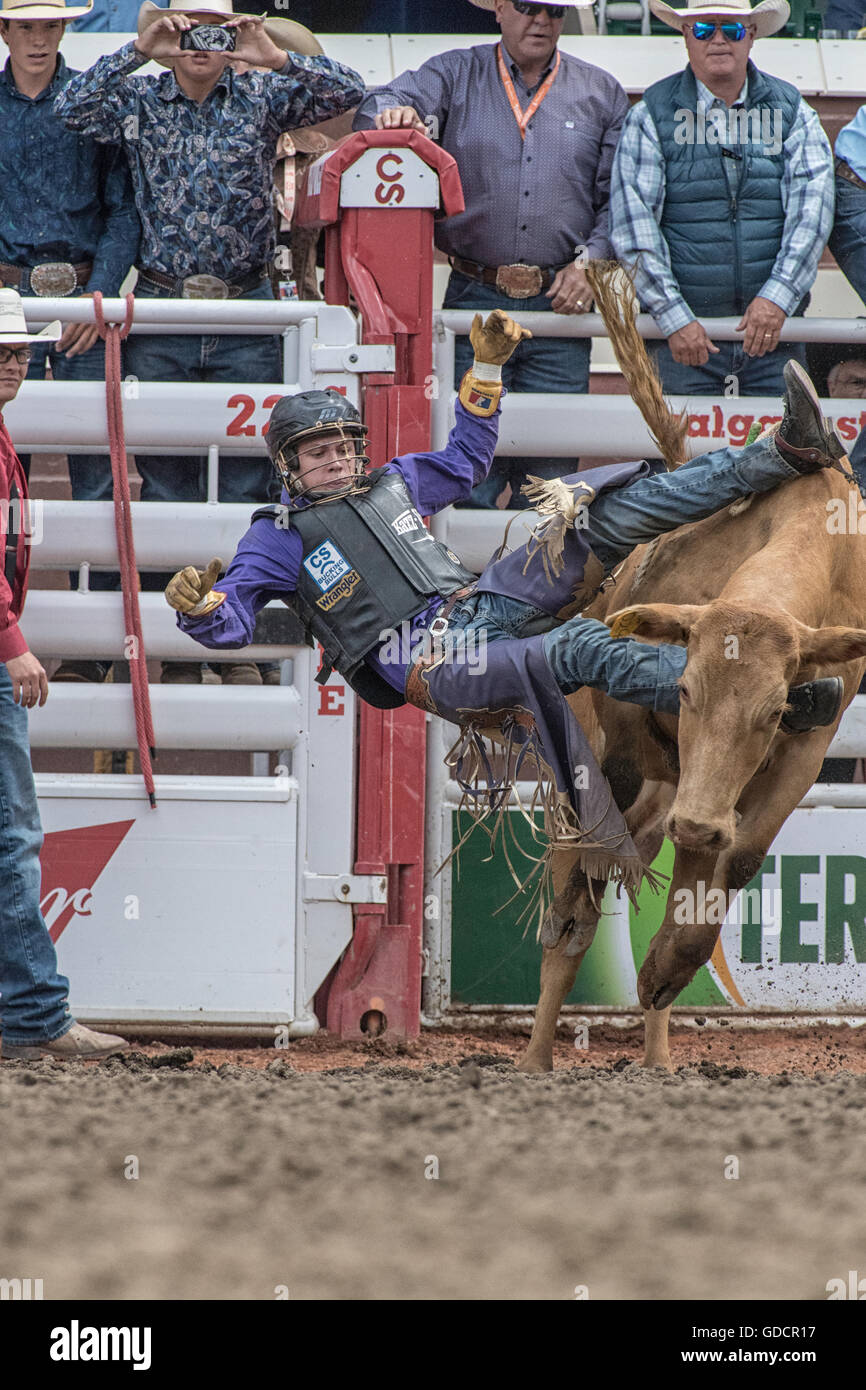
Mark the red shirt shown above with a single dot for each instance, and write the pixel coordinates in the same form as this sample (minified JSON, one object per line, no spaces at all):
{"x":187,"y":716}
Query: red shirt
{"x":12,"y":641}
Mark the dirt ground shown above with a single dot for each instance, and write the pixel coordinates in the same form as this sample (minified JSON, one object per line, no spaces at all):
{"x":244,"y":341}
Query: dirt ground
{"x":434,"y":1170}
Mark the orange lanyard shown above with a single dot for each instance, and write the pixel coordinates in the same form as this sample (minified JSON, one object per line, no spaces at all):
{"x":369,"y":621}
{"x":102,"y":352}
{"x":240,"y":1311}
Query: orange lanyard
{"x":524,"y":117}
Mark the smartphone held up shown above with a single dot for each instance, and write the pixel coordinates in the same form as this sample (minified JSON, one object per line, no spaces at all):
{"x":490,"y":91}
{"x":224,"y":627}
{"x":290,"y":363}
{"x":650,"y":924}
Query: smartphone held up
{"x":209,"y":38}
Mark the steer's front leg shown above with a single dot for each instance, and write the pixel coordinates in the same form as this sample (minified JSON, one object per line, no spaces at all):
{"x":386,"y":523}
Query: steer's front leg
{"x":683,"y":943}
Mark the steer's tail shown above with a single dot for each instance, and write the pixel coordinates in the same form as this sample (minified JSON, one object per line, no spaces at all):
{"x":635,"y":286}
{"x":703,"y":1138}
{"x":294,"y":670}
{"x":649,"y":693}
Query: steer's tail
{"x":613,"y":290}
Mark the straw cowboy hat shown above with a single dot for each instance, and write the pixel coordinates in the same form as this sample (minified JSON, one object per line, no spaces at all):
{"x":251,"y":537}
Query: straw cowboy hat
{"x":42,"y":9}
{"x":13,"y":326}
{"x":286,"y":34}
{"x":768,"y":17}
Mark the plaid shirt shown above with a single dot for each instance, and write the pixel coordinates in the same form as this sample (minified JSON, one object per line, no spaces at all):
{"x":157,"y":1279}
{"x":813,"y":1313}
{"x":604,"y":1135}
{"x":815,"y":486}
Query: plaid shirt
{"x":638,"y":195}
{"x":204,"y":173}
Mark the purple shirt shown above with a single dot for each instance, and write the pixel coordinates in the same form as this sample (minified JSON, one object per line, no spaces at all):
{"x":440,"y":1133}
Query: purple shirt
{"x":268,"y":559}
{"x":534,"y":200}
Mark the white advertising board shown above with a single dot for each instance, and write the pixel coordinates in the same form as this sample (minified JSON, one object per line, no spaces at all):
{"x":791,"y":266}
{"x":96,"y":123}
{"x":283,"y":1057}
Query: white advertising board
{"x":185,"y":913}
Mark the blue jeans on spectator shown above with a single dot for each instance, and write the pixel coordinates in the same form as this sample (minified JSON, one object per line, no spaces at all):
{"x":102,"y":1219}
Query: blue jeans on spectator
{"x":848,"y":237}
{"x":755,"y":376}
{"x":581,"y":651}
{"x":229,"y":357}
{"x":33,"y":995}
{"x":559,"y":365}
{"x":89,"y":474}
{"x":844,"y":15}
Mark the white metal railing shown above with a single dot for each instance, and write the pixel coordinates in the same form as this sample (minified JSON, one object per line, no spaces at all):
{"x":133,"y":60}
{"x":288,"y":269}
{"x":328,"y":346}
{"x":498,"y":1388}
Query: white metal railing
{"x":63,"y":623}
{"x":549,"y":325}
{"x":69,"y":534}
{"x":547,"y":425}
{"x":231,"y":719}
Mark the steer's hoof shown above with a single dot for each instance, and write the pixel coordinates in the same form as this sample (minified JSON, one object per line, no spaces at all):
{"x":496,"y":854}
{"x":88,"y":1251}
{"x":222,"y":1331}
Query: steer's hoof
{"x":530,"y":1066}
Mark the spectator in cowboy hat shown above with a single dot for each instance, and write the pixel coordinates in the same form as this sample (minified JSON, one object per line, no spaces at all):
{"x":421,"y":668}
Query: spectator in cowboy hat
{"x":202,"y":143}
{"x":34,"y":1009}
{"x":722,"y":195}
{"x":68,"y":224}
{"x":533,"y":131}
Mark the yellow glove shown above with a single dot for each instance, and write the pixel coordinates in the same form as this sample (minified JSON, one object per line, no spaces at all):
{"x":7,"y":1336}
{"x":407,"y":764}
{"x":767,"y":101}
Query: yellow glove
{"x":190,"y":591}
{"x":493,"y":343}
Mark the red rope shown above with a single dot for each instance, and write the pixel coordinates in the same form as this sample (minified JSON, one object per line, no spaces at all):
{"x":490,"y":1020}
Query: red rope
{"x":113,"y":334}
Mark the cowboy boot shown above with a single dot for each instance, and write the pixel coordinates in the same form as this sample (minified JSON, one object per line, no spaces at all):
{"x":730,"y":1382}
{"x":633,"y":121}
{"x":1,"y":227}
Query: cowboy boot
{"x":805,"y":439}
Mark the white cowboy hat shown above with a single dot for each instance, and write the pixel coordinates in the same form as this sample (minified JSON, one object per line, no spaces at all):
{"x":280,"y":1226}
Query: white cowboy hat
{"x":42,"y":9}
{"x":570,"y":4}
{"x":286,"y":34}
{"x":13,"y":326}
{"x":768,"y":17}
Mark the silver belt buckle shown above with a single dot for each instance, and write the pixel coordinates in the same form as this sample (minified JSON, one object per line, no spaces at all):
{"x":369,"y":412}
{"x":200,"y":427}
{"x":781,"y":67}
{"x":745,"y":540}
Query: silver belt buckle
{"x":204,"y":287}
{"x":438,"y":627}
{"x":53,"y":279}
{"x":519,"y":281}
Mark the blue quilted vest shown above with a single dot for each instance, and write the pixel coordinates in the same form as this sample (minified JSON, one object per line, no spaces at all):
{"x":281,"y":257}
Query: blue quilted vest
{"x":724,"y":235}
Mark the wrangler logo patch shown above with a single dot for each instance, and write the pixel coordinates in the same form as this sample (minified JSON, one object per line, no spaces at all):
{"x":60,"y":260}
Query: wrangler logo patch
{"x":342,"y":590}
{"x":407,"y":521}
{"x":326,"y":565}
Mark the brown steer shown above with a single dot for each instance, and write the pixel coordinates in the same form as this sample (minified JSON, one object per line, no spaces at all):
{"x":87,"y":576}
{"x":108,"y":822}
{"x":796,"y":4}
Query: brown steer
{"x":764,"y":595}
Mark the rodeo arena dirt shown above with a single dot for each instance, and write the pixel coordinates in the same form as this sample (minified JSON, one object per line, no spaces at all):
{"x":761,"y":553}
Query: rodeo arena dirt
{"x":556,"y":996}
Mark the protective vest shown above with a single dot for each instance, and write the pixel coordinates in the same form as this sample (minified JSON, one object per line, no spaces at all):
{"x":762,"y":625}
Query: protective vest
{"x":368,"y":564}
{"x":724,"y":234}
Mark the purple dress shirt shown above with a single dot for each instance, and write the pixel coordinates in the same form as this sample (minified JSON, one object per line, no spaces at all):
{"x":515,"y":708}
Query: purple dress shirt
{"x":535,"y":200}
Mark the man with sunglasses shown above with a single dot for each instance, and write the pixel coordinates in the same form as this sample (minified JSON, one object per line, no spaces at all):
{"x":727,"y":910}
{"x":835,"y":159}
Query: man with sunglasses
{"x":533,"y":131}
{"x":722,"y":194}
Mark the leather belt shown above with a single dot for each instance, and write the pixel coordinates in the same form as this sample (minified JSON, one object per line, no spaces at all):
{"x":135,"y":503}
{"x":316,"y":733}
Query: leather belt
{"x":846,"y":172}
{"x":48,"y":279}
{"x":439,"y":625}
{"x":202,"y":286}
{"x":518,"y":281}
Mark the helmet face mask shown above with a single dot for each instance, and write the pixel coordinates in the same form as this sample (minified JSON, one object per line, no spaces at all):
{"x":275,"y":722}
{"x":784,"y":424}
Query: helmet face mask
{"x":299,"y":426}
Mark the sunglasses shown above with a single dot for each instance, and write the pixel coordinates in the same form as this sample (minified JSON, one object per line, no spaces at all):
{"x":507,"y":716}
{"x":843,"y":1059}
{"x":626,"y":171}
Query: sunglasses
{"x":555,"y":11}
{"x":704,"y":30}
{"x":22,"y":355}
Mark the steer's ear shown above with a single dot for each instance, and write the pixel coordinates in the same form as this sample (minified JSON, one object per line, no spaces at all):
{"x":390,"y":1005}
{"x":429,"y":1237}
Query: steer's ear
{"x":662,"y":620}
{"x":825,"y":646}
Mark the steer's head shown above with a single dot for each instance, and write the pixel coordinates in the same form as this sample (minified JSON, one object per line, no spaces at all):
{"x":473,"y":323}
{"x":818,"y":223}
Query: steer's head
{"x":733,"y":693}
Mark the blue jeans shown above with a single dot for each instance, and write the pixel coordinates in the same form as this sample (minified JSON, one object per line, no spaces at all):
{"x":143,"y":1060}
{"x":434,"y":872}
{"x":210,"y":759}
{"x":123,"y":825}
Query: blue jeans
{"x":559,"y":365}
{"x":844,"y":15}
{"x":755,"y":376}
{"x":848,"y":237}
{"x":193,"y":357}
{"x":33,"y":996}
{"x":580,"y":651}
{"x":89,"y":474}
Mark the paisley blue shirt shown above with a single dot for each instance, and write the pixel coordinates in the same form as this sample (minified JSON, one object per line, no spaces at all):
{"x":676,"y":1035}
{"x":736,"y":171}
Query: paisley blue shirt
{"x":204,"y":172}
{"x":62,"y":196}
